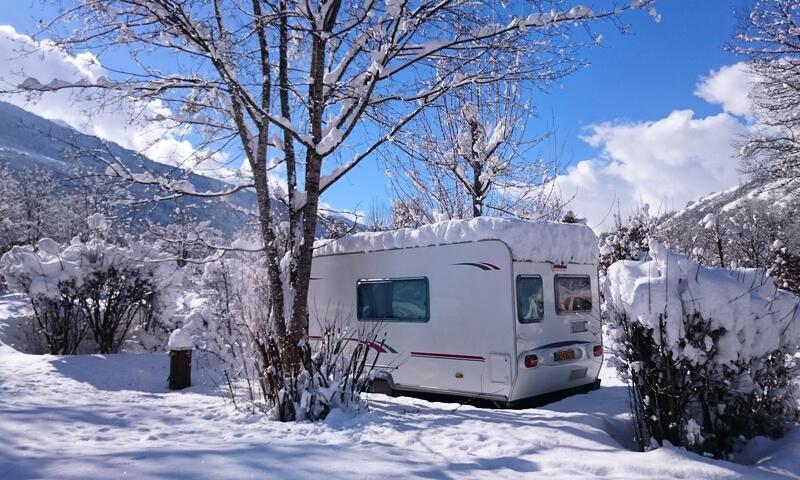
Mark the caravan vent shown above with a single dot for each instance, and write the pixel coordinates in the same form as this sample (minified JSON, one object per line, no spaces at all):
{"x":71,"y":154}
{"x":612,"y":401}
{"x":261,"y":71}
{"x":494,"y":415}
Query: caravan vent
{"x":578,"y":373}
{"x":578,"y":327}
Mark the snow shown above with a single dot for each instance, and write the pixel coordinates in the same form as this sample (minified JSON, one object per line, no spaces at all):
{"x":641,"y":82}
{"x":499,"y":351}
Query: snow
{"x":393,"y":8}
{"x":529,"y":241}
{"x":499,"y":135}
{"x":580,"y":11}
{"x":709,"y":221}
{"x":331,"y":139}
{"x":180,"y":339}
{"x":753,"y":316}
{"x":182,"y":186}
{"x":87,"y":417}
{"x":40,"y":270}
{"x":97,"y":221}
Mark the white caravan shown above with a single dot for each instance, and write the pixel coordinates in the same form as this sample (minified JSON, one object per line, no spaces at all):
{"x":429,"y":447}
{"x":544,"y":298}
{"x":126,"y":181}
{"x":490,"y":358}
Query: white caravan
{"x":491,"y":308}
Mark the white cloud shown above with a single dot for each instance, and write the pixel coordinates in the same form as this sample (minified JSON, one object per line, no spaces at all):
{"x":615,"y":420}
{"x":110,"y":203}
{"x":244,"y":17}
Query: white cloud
{"x":663,"y":163}
{"x":136,"y":125}
{"x":729,"y":87}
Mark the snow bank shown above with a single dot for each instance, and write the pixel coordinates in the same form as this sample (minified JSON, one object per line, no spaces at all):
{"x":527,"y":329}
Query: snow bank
{"x":91,"y":417}
{"x":753,"y":316}
{"x":530,"y":241}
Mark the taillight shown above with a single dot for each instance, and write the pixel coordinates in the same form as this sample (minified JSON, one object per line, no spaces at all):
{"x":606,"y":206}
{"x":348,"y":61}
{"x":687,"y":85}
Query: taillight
{"x":598,"y":350}
{"x":531,"y":361}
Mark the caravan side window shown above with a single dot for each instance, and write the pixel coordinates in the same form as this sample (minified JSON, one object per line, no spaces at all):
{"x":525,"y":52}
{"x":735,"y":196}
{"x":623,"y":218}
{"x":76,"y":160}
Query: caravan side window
{"x":530,"y":300}
{"x":400,"y":300}
{"x":573,"y":294}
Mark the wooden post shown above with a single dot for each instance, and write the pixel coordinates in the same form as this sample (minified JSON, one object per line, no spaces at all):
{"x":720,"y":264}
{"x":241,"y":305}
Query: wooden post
{"x":180,"y":369}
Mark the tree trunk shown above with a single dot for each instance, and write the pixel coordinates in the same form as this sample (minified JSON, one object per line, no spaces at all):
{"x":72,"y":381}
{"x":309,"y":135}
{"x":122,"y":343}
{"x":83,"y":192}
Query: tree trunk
{"x":477,"y":171}
{"x":316,"y":106}
{"x":258,"y":161}
{"x":720,"y":251}
{"x":299,"y":325}
{"x":288,"y":141}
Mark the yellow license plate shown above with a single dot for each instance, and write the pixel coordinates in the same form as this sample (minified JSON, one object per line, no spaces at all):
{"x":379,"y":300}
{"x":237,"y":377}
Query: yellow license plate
{"x":563,"y":355}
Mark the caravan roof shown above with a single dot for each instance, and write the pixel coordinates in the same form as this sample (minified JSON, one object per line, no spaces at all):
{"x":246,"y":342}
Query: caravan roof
{"x":529,"y":241}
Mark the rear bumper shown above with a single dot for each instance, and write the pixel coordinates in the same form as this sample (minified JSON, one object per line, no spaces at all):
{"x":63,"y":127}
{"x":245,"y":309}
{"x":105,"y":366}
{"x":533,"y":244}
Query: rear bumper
{"x":551,"y":376}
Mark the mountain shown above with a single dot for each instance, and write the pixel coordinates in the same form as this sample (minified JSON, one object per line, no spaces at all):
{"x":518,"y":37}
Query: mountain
{"x":757,"y":192}
{"x":29,"y":142}
{"x":745,"y":226}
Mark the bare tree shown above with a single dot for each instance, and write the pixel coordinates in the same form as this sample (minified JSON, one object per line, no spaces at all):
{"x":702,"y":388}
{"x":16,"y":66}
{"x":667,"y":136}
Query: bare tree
{"x":470,"y":155}
{"x":10,"y":210}
{"x":768,"y":37}
{"x":337,"y":81}
{"x":378,"y":217}
{"x":35,"y":204}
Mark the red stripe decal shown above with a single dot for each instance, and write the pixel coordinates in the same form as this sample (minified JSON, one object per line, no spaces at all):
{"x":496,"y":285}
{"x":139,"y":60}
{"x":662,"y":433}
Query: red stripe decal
{"x":491,"y":265}
{"x":449,"y":356}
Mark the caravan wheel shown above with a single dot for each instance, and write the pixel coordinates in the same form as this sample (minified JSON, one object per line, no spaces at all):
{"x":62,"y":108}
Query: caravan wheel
{"x":380,"y":385}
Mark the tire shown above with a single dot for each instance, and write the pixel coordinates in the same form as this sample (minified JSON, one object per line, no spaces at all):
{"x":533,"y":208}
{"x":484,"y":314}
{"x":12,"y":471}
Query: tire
{"x":380,"y":385}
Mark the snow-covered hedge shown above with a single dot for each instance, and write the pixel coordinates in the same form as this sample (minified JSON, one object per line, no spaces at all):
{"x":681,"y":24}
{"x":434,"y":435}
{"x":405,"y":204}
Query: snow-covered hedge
{"x":113,"y":292}
{"x":710,"y":354}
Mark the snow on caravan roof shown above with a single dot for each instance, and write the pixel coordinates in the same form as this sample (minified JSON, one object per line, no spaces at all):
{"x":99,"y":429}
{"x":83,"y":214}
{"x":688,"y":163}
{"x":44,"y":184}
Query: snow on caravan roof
{"x":529,"y":241}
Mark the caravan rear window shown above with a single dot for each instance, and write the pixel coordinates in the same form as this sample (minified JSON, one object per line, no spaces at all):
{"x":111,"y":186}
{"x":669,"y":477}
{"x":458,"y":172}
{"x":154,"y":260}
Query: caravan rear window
{"x":573,"y":294}
{"x":400,"y":300}
{"x":530,"y":300}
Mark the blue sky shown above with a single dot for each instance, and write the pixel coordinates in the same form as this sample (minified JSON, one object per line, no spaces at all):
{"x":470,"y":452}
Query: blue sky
{"x":635,"y":77}
{"x":648,"y":73}
{"x":637,"y":85}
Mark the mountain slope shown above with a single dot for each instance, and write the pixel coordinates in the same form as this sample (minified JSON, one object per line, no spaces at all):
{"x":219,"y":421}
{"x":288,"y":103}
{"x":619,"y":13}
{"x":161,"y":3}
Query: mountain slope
{"x":29,"y":142}
{"x":744,"y":226}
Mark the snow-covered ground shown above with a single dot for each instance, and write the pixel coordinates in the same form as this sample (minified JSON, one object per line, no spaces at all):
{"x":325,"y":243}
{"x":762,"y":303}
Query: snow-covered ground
{"x":111,"y":416}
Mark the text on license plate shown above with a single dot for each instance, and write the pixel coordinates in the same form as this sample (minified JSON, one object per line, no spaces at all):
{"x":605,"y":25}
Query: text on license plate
{"x":562,"y":355}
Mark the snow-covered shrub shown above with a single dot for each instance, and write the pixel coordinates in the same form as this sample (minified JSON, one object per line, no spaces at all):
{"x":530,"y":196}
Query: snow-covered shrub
{"x":114,"y":292}
{"x":337,"y":371}
{"x":59,"y":324}
{"x":228,"y":316}
{"x":709,"y":353}
{"x":230,"y":300}
{"x":628,"y":240}
{"x":115,"y":300}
